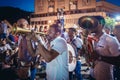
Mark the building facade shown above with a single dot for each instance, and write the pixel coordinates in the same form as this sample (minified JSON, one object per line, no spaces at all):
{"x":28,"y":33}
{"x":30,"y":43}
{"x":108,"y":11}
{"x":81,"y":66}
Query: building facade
{"x":46,"y":11}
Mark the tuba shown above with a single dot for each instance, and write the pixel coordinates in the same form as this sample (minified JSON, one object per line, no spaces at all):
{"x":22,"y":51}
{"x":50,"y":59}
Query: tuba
{"x":87,"y":23}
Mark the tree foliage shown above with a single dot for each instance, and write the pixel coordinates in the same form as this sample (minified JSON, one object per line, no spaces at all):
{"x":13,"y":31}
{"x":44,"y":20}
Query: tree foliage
{"x":110,"y":22}
{"x":12,"y":14}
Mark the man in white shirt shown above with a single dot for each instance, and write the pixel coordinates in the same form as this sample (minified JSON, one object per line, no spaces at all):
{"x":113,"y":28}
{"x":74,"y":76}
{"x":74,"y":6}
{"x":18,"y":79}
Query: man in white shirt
{"x":114,"y":60}
{"x":104,"y":45}
{"x":76,"y":43}
{"x":27,"y":49}
{"x":57,"y":56}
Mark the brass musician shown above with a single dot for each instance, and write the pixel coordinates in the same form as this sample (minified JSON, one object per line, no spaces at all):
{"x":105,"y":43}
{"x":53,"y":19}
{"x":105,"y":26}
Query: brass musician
{"x":27,"y":50}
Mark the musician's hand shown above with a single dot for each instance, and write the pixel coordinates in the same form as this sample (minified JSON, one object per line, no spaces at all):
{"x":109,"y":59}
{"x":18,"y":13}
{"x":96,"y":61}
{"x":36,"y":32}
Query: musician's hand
{"x":31,"y":36}
{"x":35,"y":36}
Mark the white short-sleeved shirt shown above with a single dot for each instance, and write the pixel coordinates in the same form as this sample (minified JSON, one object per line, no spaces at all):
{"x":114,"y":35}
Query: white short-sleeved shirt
{"x":108,"y":45}
{"x":77,"y":43}
{"x":57,"y":69}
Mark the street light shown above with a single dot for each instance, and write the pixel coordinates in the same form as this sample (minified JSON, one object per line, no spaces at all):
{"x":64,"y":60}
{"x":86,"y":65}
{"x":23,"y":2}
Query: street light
{"x":118,"y":18}
{"x":49,"y":22}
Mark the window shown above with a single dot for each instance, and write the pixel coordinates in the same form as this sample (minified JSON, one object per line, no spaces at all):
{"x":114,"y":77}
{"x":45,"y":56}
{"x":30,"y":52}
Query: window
{"x":86,"y":2}
{"x":73,"y":4}
{"x":51,"y":5}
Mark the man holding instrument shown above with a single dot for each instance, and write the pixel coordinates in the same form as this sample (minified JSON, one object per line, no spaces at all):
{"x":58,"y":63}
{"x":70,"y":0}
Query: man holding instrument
{"x":27,"y":49}
{"x":57,"y":55}
{"x":104,"y":45}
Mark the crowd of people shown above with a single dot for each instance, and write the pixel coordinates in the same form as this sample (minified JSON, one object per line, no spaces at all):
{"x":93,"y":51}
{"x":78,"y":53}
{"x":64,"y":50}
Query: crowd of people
{"x":21,"y":53}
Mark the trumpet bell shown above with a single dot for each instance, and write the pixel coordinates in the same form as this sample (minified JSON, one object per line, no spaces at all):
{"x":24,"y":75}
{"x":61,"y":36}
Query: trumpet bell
{"x":88,"y":22}
{"x":21,"y":30}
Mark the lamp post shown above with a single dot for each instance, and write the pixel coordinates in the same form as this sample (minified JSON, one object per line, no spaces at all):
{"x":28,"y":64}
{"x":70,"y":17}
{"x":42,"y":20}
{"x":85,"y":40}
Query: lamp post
{"x":60,"y":17}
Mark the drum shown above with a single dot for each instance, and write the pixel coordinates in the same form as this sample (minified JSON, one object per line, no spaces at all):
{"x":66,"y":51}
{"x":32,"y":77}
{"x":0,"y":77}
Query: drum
{"x":72,"y":58}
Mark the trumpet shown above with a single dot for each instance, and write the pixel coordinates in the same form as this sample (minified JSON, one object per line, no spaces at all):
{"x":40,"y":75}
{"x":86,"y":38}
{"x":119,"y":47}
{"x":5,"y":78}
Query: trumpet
{"x":16,"y":29}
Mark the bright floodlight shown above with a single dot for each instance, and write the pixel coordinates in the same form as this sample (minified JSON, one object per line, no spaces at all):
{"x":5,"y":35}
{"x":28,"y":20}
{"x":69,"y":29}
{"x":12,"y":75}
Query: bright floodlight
{"x":118,"y":18}
{"x":49,"y":21}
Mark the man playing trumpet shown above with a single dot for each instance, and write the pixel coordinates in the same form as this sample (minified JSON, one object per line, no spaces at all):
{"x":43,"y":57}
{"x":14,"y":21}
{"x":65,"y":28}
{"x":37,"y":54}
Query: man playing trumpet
{"x":57,"y":55}
{"x":27,"y":48}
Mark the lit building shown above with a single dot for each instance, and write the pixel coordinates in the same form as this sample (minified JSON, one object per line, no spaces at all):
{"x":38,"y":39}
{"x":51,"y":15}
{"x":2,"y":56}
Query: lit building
{"x":46,"y":11}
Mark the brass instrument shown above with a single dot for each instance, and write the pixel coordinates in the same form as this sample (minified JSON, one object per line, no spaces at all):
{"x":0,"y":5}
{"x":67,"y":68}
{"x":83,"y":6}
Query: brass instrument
{"x":85,"y":48}
{"x":16,"y":29}
{"x":88,"y":23}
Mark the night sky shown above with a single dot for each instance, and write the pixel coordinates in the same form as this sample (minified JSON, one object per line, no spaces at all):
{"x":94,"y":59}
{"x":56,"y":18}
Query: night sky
{"x":28,"y":5}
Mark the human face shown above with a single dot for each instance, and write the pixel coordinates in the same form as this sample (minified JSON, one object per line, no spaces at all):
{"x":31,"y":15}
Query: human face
{"x":24,"y":26}
{"x":71,"y":33}
{"x":51,"y":33}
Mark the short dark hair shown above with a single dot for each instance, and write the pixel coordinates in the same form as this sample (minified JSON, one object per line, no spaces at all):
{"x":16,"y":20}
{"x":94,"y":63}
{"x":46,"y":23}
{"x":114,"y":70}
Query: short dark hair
{"x":73,"y":29}
{"x":56,"y":27}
